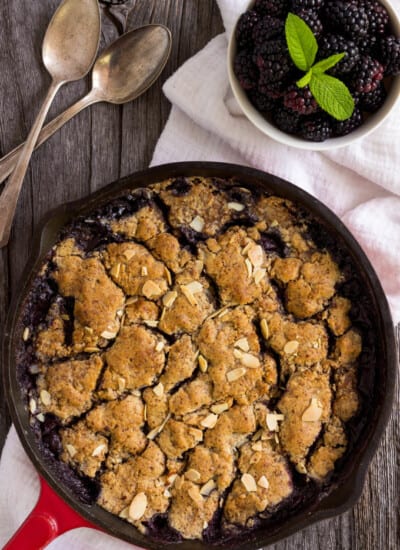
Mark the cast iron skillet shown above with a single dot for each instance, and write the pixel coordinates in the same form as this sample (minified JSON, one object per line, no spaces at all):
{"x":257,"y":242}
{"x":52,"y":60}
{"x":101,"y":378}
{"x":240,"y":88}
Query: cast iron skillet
{"x":59,"y":510}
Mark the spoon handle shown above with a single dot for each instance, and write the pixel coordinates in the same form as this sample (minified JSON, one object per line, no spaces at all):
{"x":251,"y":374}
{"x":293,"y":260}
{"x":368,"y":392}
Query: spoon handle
{"x":9,"y":161}
{"x":9,"y":197}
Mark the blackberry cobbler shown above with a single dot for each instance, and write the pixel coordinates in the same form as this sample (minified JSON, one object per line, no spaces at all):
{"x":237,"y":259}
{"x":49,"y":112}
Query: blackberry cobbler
{"x":192,"y":360}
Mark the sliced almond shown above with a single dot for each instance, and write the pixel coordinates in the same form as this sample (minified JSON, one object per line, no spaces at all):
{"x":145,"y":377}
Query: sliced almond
{"x":193,"y":475}
{"x":209,"y":421}
{"x":195,"y":495}
{"x":219,"y":408}
{"x":170,"y":298}
{"x":194,"y":287}
{"x":171,"y":478}
{"x":25,"y":334}
{"x":250,"y":361}
{"x":160,"y":346}
{"x":237,"y":206}
{"x":256,"y":255}
{"x":40,"y":417}
{"x":313,"y":412}
{"x":115,"y":270}
{"x":203,"y":363}
{"x":263,"y":482}
{"x":88,"y":330}
{"x":218,"y":312}
{"x":238,"y":353}
{"x":91,"y":349}
{"x":121,"y":383}
{"x":107,"y":335}
{"x":124,"y":514}
{"x":249,"y":268}
{"x":137,"y":393}
{"x":151,"y":289}
{"x":197,"y":224}
{"x":291,"y":347}
{"x":208,"y":487}
{"x":188,"y":295}
{"x":264,"y":328}
{"x":167,"y":493}
{"x":131,"y":300}
{"x":32,"y":406}
{"x":235,"y":374}
{"x":154,"y":433}
{"x":144,"y":271}
{"x":129,"y":253}
{"x":151,"y":324}
{"x":99,"y":449}
{"x":272,"y":421}
{"x":159,"y":389}
{"x":71,"y":450}
{"x":246,"y":248}
{"x":274,"y":223}
{"x":168,"y":276}
{"x":138,"y":506}
{"x":242,"y":344}
{"x":45,"y":397}
{"x":259,"y":274}
{"x":249,"y":482}
{"x":257,"y":446}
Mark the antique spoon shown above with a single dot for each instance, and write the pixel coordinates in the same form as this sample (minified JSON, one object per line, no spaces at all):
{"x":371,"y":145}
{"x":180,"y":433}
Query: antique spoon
{"x":125,"y":70}
{"x":69,"y":50}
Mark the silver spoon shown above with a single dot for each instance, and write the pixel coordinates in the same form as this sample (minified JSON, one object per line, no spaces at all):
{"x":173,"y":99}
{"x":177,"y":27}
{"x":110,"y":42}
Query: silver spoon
{"x":69,"y":50}
{"x":125,"y":70}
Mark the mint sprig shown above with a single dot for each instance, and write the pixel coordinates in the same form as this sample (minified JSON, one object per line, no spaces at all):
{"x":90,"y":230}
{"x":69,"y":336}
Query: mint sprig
{"x":331,"y":94}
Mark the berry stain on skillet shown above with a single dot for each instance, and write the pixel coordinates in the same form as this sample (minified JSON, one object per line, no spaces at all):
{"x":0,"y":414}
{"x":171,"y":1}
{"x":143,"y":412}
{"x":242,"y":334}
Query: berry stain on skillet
{"x":357,"y":31}
{"x":202,"y":389}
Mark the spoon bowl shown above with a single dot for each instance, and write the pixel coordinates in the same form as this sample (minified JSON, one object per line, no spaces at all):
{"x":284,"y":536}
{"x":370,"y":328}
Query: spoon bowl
{"x":131,"y":64}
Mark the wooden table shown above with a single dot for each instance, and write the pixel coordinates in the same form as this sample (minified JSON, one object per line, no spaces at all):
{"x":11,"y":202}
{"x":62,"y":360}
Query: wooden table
{"x":107,"y":142}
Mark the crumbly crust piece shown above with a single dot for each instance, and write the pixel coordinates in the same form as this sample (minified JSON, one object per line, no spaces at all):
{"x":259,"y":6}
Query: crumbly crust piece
{"x":121,"y":421}
{"x":50,"y":341}
{"x":182,"y":360}
{"x":145,"y":224}
{"x":201,"y":202}
{"x":97,"y":299}
{"x":134,"y":269}
{"x":69,"y":387}
{"x":309,"y":294}
{"x":298,"y":430}
{"x":133,"y":361}
{"x":83,"y":449}
{"x":264,"y":482}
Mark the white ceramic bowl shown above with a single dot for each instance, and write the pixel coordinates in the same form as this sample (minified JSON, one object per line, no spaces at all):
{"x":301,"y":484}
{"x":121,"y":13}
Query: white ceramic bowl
{"x":368,"y":126}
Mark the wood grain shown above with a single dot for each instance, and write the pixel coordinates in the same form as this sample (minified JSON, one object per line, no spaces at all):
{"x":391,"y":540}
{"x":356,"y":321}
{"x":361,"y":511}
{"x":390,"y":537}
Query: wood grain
{"x":106,"y":142}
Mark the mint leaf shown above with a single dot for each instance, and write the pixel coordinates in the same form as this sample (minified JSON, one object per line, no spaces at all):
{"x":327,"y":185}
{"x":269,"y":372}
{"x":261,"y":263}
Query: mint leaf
{"x":301,"y":42}
{"x":328,"y":63}
{"x":304,"y":80}
{"x":332,"y":95}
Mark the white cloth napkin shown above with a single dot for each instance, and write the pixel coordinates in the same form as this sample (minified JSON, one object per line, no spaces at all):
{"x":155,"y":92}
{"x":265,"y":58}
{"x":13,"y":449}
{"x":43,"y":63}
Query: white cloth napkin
{"x":360,"y":183}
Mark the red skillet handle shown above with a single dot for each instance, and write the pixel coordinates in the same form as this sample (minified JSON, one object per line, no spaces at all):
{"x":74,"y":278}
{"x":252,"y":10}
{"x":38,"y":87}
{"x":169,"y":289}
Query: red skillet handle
{"x":50,"y":518}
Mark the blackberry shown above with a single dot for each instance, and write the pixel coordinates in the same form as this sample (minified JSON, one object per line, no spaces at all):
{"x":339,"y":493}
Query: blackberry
{"x":244,"y":29}
{"x":372,"y":101}
{"x":312,"y":19}
{"x":348,"y":17}
{"x":366,"y":75}
{"x":274,"y":90}
{"x":331,"y":44}
{"x":368,"y":45}
{"x":245,"y":70}
{"x":343,"y":127}
{"x":261,"y":101}
{"x":276,"y":8}
{"x":268,"y":27}
{"x":378,"y":16}
{"x":273,"y":60}
{"x":285,"y":120}
{"x":300,"y":100}
{"x":306,"y":4}
{"x":390,"y":55}
{"x":315,"y":128}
